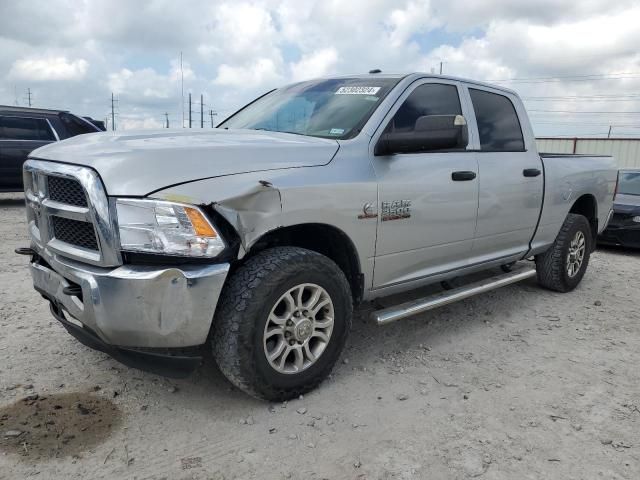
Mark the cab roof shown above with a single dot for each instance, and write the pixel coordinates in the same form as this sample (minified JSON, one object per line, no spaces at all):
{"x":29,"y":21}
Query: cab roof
{"x":417,"y":75}
{"x":14,"y":109}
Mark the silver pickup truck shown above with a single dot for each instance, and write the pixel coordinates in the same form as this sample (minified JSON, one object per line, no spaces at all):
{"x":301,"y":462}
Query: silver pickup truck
{"x":257,"y":239}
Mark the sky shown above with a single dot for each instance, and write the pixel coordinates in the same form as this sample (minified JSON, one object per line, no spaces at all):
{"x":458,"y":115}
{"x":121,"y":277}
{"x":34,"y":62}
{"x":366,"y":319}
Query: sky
{"x":575,"y":63}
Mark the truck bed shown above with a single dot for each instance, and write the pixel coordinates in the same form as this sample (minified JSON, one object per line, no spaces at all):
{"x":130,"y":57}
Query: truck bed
{"x":569,"y":177}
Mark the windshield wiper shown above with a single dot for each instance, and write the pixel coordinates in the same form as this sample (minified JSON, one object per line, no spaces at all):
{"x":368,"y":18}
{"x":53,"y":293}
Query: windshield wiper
{"x":294,"y":133}
{"x":279,"y":131}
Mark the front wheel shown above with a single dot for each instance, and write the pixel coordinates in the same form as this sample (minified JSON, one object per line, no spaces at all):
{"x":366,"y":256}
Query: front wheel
{"x":563,"y":265}
{"x":282,"y":322}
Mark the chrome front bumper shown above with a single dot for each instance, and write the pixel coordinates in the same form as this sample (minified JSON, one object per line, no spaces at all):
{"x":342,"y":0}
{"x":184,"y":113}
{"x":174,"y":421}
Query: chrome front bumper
{"x":135,"y":306}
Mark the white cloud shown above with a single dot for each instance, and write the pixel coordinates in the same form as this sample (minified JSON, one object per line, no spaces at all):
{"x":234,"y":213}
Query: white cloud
{"x":236,"y":49}
{"x":316,"y":64}
{"x":249,"y":76}
{"x":240,"y":32}
{"x":145,"y":82}
{"x":141,"y":122}
{"x":48,"y":68}
{"x":415,"y":18}
{"x":516,"y":49}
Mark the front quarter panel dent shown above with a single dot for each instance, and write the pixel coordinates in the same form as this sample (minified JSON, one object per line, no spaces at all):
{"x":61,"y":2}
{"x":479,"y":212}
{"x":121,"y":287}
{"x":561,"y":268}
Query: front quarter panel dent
{"x":250,"y":203}
{"x":251,"y":212}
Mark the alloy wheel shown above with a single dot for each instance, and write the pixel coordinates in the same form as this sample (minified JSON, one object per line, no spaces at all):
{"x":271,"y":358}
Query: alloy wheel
{"x":299,"y":328}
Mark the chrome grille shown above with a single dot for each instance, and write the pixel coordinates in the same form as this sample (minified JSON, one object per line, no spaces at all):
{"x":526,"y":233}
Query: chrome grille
{"x":66,"y":190}
{"x":68,"y":213}
{"x":73,"y":232}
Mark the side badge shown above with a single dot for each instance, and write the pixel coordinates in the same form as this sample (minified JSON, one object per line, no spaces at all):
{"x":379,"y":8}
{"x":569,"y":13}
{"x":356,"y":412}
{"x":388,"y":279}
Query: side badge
{"x":368,"y":211}
{"x":396,"y":210}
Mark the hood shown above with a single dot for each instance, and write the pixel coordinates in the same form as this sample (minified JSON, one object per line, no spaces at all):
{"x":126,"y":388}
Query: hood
{"x":626,"y":203}
{"x":137,"y":163}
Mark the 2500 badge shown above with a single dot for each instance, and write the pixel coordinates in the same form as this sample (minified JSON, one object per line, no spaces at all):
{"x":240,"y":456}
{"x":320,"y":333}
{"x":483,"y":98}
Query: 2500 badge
{"x":396,"y":210}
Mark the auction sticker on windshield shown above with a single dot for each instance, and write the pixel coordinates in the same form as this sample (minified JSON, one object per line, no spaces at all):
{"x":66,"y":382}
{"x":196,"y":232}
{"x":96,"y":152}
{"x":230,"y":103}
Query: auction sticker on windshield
{"x":357,"y":90}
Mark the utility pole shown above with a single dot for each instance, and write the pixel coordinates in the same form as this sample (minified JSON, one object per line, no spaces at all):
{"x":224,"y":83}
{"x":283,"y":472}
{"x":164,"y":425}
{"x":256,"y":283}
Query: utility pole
{"x":189,"y":109}
{"x":113,"y":113}
{"x":29,"y":96}
{"x":166,"y":116}
{"x":201,"y":111}
{"x":441,"y":68}
{"x":211,"y":114}
{"x":610,"y":128}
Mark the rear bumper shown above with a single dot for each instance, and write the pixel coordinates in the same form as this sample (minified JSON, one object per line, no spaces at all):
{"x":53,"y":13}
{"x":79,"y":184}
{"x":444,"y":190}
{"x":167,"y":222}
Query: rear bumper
{"x":132,"y":311}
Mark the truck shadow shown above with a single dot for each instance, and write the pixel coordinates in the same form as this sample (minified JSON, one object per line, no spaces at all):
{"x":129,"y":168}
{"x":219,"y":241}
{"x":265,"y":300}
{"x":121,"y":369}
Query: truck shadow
{"x":370,"y":343}
{"x":435,"y":330}
{"x":619,"y":250}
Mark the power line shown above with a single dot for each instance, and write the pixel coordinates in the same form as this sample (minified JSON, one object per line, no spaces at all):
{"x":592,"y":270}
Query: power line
{"x":574,"y":135}
{"x":589,"y":124}
{"x":590,"y":75}
{"x":570,"y":78}
{"x":579,"y":97}
{"x":583,"y":100}
{"x":587,"y":112}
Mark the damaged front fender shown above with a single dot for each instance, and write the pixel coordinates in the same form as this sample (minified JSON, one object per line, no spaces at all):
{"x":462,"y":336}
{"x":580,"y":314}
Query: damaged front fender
{"x":249,"y":202}
{"x":251,"y":212}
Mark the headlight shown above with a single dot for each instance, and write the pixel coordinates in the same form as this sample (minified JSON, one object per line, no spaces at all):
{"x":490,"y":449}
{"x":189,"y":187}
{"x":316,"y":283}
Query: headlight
{"x":636,"y":219}
{"x":168,"y":228}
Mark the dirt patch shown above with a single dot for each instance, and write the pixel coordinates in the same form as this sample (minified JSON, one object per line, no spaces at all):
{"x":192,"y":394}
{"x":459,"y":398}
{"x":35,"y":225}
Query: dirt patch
{"x":53,"y":426}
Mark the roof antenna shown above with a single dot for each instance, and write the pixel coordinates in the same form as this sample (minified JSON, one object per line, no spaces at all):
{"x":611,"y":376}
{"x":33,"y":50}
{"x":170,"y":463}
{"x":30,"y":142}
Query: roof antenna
{"x":375,"y":70}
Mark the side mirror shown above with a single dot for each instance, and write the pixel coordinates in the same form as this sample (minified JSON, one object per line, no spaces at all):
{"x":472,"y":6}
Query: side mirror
{"x":431,"y":133}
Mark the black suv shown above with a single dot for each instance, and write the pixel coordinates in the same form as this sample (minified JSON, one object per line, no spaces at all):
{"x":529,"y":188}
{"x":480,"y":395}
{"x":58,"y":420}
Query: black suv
{"x":22,"y":130}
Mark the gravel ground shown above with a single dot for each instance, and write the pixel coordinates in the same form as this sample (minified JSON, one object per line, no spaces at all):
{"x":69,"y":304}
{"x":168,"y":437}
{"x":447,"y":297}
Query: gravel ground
{"x":520,"y":383}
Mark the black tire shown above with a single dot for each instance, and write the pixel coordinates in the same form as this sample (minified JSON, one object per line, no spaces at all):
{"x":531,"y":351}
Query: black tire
{"x":552,"y":265}
{"x":244,"y":307}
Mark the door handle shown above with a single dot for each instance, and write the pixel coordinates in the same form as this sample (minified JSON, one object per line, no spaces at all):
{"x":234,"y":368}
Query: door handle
{"x":531,"y":172}
{"x":463,"y":176}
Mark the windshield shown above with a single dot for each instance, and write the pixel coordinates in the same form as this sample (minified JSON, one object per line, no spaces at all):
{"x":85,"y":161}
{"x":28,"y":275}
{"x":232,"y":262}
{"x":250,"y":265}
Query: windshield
{"x":629,"y":183}
{"x":334,"y":108}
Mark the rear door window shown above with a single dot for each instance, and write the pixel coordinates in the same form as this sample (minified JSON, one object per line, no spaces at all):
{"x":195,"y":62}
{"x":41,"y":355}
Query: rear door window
{"x":498,"y":123}
{"x":76,"y":125}
{"x":25,"y":128}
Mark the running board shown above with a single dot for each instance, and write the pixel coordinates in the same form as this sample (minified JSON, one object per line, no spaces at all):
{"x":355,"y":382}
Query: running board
{"x":414,"y":307}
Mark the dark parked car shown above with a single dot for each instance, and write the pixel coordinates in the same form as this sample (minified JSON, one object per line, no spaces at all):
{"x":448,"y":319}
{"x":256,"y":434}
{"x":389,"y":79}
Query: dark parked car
{"x":22,"y":130}
{"x":624,"y":227}
{"x":98,"y":123}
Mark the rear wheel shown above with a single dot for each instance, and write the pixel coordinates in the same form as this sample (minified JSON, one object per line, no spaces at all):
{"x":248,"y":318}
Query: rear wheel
{"x":283,"y":320}
{"x":563,"y":265}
